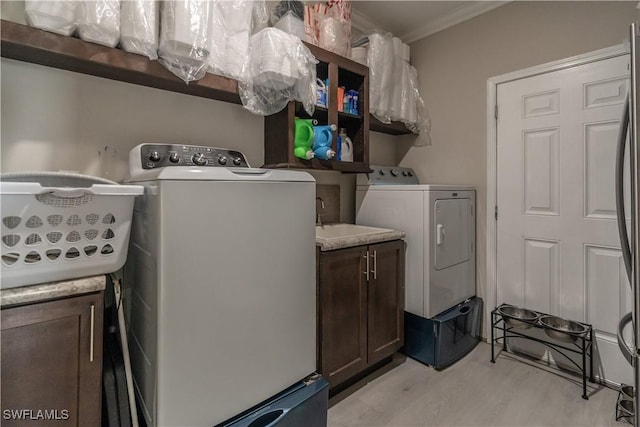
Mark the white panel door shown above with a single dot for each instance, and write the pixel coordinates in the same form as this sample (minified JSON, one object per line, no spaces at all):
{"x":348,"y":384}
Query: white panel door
{"x":557,"y":243}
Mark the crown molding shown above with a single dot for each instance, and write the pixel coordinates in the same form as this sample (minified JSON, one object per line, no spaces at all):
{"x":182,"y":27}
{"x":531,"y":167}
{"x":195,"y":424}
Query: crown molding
{"x":455,"y":17}
{"x":365,"y":24}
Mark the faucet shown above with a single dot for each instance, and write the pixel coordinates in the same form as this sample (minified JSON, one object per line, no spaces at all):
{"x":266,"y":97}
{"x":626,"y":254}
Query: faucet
{"x":318,"y":214}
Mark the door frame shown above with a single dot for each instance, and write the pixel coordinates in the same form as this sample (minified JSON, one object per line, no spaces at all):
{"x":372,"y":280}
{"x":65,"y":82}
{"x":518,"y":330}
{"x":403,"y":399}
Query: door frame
{"x":492,"y":154}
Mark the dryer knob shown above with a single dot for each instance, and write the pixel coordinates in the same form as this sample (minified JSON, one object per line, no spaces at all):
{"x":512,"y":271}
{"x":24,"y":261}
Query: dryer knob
{"x":222,"y":160}
{"x":381,"y":172}
{"x":237,"y":161}
{"x":405,"y":173}
{"x":394,"y":172}
{"x":174,"y":157}
{"x":199,"y":159}
{"x":409,"y":173}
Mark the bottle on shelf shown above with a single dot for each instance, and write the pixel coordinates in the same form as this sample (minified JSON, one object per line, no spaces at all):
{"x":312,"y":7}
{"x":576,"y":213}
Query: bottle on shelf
{"x":322,"y":138}
{"x":346,"y":146}
{"x":303,"y":138}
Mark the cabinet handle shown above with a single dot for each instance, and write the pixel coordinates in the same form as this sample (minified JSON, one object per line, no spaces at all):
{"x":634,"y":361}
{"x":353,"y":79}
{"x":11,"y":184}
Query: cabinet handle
{"x":366,"y":271}
{"x":375,"y":265}
{"x":91,"y":339}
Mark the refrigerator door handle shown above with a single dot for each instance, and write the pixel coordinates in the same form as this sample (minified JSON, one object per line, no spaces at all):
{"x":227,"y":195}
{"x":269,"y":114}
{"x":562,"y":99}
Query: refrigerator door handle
{"x":626,"y":350}
{"x":620,"y":214}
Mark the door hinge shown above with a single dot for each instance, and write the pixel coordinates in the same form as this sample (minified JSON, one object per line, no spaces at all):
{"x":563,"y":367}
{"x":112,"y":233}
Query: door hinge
{"x":495,"y":111}
{"x":496,"y":212}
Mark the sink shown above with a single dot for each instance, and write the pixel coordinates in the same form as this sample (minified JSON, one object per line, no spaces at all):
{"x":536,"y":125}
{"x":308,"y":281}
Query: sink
{"x":344,"y":231}
{"x":341,"y":235}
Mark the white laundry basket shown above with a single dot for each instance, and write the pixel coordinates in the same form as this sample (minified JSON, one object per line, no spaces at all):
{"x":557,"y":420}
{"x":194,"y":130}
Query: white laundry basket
{"x":58,"y":226}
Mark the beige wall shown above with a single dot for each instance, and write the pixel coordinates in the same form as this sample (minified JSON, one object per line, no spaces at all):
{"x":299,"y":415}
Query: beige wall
{"x":454,"y":65}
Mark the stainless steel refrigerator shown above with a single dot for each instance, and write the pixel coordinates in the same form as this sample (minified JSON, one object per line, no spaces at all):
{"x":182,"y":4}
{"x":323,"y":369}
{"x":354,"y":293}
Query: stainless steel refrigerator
{"x":629,"y":237}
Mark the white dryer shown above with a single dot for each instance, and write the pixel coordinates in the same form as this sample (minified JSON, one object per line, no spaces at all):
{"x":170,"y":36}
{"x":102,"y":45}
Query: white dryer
{"x":439,"y":222}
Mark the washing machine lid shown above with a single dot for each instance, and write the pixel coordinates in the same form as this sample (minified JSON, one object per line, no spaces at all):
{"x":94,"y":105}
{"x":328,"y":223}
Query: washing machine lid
{"x":194,"y":173}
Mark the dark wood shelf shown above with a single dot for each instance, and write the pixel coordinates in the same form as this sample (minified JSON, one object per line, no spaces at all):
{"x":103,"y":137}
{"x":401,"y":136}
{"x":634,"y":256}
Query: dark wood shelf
{"x":395,"y":128}
{"x":27,"y":44}
{"x":342,"y":114}
{"x":68,"y":53}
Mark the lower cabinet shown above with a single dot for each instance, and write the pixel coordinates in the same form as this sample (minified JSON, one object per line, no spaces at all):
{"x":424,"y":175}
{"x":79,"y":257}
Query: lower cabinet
{"x":360,"y":308}
{"x":51,"y":366}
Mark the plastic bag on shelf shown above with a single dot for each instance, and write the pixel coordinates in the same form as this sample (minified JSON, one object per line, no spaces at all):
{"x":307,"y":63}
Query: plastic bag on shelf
{"x":284,"y":8}
{"x":230,"y":28}
{"x":380,"y":57}
{"x":281,"y":69}
{"x":417,"y":120}
{"x":139,"y":27}
{"x":260,"y":16}
{"x":184,"y":38}
{"x":99,"y":22}
{"x":59,"y":17}
{"x":290,"y":23}
{"x":328,"y":25}
{"x":333,"y":35}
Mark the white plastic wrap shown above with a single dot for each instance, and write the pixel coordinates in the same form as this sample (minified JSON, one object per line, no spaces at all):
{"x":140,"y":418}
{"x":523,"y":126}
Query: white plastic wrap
{"x":328,"y":25}
{"x":281,"y":69}
{"x":394,"y":92}
{"x":230,"y":28}
{"x":140,"y":26}
{"x":99,"y":22}
{"x":333,"y":35}
{"x":184,"y":38}
{"x":422,"y":123}
{"x":51,"y":15}
{"x":398,"y":80}
{"x":292,"y":24}
{"x":380,"y":57}
{"x":283,"y":8}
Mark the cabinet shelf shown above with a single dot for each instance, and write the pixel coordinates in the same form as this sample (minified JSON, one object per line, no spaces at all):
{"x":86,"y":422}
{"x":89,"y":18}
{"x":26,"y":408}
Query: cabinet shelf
{"x":394,"y":128}
{"x":68,"y":53}
{"x":36,"y":46}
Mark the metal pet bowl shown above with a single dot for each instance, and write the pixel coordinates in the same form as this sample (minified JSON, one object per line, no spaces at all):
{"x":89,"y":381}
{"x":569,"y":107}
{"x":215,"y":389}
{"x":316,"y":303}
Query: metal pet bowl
{"x":562,"y":329}
{"x":517,"y":317}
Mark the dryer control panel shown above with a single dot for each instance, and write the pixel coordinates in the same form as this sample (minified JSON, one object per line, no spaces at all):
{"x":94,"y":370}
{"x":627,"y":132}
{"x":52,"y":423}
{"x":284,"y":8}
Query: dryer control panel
{"x":386,"y":175}
{"x":152,"y":156}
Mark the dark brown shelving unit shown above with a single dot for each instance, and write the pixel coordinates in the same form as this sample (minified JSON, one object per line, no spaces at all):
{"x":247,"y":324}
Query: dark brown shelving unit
{"x":279,"y":127}
{"x":33,"y":45}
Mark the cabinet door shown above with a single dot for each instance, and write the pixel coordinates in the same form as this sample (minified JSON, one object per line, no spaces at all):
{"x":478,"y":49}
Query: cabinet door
{"x":343,"y":293}
{"x":52,"y":362}
{"x":386,"y":300}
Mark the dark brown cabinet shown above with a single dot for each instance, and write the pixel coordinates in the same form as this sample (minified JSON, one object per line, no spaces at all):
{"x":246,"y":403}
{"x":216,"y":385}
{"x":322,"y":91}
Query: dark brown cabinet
{"x":361,"y":305}
{"x":279,"y":127}
{"x":52,"y":362}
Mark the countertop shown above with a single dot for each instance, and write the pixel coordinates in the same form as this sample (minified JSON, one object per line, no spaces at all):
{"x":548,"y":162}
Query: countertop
{"x":47,"y":291}
{"x":339,"y":236}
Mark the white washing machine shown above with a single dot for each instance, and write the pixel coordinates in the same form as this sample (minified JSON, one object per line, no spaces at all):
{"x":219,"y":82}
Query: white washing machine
{"x":439,"y":222}
{"x":220,"y":291}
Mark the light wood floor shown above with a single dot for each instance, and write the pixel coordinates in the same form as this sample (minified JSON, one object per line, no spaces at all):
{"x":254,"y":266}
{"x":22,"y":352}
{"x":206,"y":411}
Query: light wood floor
{"x":513,"y":392}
